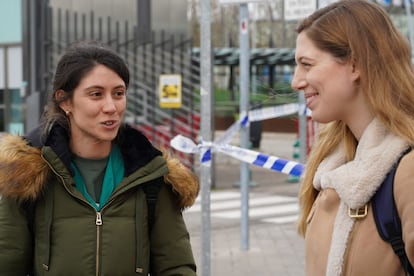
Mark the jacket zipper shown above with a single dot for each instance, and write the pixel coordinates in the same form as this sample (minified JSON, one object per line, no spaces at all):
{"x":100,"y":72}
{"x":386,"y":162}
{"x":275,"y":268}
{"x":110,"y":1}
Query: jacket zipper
{"x":98,"y":221}
{"x":98,"y":235}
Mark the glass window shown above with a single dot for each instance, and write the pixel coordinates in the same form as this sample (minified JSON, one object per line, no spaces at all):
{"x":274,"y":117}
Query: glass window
{"x":14,"y":109}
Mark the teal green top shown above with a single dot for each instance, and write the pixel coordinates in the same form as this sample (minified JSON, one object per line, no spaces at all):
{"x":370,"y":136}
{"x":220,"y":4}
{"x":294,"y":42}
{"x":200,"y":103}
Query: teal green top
{"x":96,"y":179}
{"x":92,"y":172}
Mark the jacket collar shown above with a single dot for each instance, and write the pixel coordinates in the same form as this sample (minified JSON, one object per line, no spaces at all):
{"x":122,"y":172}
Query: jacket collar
{"x":23,"y":172}
{"x":136,"y":149}
{"x":356,"y":181}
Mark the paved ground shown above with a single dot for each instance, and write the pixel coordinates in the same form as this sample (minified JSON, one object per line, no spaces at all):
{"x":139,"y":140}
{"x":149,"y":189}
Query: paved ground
{"x":274,"y":245}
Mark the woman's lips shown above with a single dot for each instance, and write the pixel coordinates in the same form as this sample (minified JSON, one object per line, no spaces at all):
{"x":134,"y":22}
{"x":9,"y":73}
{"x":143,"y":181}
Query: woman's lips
{"x":110,"y":124}
{"x":310,"y":97}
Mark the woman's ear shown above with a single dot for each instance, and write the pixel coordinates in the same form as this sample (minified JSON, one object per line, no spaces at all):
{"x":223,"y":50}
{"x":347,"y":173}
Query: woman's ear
{"x":355,"y":71}
{"x":61,"y":97}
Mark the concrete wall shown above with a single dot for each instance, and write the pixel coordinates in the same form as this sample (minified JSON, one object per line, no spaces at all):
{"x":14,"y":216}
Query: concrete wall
{"x":168,"y":15}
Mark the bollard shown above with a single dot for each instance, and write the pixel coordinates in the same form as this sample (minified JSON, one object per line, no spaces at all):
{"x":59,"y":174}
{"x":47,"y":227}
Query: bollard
{"x":296,"y":157}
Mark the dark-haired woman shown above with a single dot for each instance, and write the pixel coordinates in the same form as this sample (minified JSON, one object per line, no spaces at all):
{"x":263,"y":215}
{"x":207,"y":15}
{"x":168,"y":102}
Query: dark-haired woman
{"x":74,"y":192}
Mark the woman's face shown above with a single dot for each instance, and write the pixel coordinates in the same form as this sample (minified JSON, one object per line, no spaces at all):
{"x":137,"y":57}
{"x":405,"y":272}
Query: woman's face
{"x":97,"y":108}
{"x":330,"y":85}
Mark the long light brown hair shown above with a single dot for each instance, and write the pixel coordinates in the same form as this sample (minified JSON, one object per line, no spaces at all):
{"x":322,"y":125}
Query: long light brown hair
{"x":361,"y":32}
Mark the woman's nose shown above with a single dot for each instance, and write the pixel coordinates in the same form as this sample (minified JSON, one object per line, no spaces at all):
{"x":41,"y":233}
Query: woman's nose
{"x":109,"y":105}
{"x":298,"y":81}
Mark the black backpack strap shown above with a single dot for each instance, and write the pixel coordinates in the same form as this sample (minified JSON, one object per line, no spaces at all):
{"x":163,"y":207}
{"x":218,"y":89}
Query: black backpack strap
{"x":151,"y":190}
{"x":29,"y":209}
{"x":387,"y":219}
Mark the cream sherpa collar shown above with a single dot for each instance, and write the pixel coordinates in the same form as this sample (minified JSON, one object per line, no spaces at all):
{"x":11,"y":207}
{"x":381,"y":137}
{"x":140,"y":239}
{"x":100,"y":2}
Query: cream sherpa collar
{"x":356,"y":181}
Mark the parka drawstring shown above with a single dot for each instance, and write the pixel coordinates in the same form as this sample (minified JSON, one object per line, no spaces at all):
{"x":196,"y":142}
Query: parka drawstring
{"x":49,"y":218}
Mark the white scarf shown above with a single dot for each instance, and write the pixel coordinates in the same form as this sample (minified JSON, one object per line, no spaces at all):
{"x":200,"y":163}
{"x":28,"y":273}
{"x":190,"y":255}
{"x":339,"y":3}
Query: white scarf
{"x":356,"y":181}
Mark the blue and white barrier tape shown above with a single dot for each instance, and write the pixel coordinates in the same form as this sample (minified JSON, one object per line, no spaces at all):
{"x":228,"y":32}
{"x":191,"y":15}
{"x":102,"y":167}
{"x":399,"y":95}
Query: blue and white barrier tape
{"x":221,"y":144}
{"x":273,"y":112}
{"x":233,"y":129}
{"x":260,"y":115}
{"x":185,"y":144}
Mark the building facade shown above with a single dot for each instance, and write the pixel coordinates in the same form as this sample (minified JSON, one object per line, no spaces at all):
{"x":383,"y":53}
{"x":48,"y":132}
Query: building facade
{"x":12,"y":87}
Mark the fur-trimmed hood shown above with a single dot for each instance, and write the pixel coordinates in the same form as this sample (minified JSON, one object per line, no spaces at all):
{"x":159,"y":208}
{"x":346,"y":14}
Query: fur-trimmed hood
{"x":23,"y":172}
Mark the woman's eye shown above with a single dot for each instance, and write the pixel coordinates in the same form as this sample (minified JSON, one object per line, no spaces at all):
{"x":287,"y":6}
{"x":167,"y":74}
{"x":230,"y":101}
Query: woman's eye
{"x":120,"y":93}
{"x":305,"y":64}
{"x":96,"y":94}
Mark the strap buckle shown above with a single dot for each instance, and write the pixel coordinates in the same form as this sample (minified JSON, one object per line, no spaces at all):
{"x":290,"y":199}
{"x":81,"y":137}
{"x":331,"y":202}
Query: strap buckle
{"x":359,"y":212}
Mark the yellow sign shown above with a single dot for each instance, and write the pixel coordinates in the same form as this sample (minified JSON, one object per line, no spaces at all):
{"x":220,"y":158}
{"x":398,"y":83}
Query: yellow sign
{"x":170,"y":91}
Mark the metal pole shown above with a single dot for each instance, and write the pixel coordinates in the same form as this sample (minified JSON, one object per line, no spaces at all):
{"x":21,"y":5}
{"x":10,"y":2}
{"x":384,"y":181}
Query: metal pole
{"x":302,"y":128}
{"x":32,"y":45}
{"x":244,"y":132}
{"x":33,"y":99}
{"x":206,"y":131}
{"x":144,"y":21}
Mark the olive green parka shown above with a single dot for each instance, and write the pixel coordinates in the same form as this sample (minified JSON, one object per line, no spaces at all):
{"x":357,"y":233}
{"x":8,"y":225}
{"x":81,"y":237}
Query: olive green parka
{"x":67,"y":235}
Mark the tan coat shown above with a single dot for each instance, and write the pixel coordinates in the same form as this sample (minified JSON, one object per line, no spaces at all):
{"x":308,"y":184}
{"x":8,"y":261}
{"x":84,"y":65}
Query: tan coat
{"x":366,"y":253}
